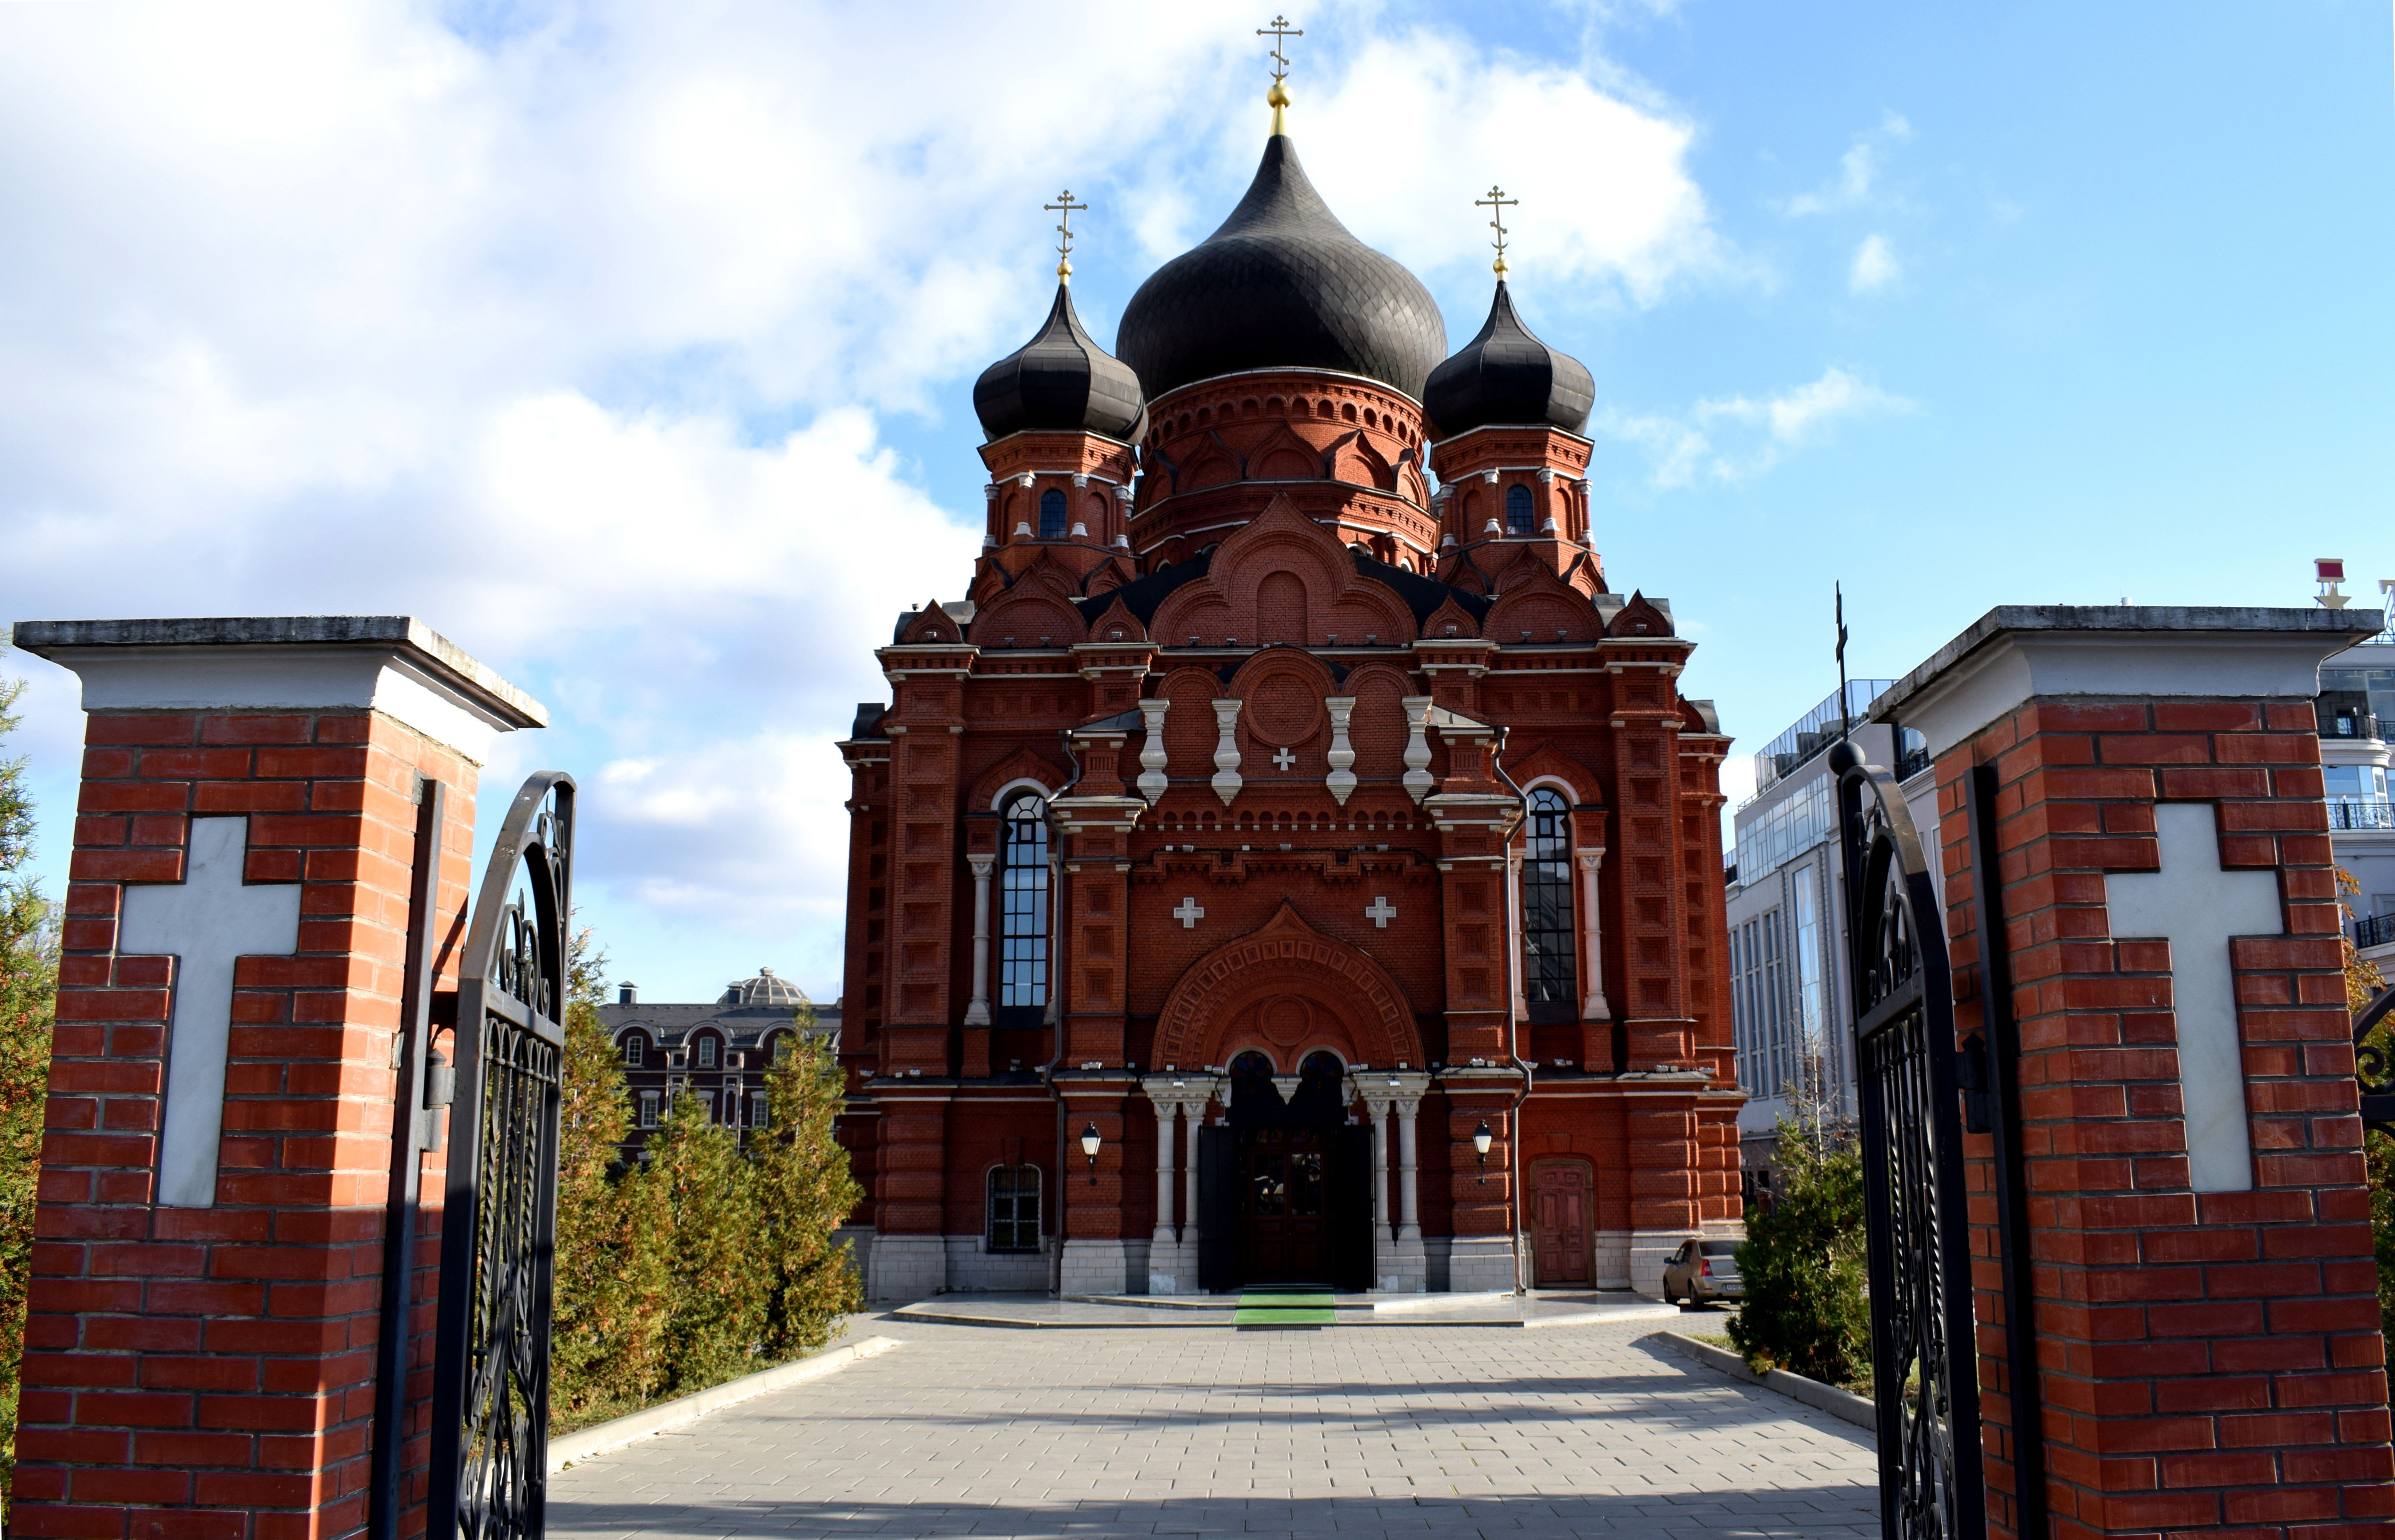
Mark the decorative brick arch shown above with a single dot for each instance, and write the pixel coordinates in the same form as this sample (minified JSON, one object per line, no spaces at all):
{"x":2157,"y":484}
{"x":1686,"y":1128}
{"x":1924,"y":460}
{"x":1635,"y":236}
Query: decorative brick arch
{"x":1345,"y":993}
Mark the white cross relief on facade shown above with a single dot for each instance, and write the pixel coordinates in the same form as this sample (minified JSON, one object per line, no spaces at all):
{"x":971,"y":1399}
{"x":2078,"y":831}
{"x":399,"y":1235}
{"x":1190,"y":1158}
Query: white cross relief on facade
{"x":1189,"y":914}
{"x":203,"y":923}
{"x":2198,"y":908}
{"x":1284,"y":759}
{"x":1381,"y":911}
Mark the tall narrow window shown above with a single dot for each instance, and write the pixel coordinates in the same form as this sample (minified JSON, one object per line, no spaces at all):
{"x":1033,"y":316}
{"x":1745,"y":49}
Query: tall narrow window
{"x":1518,"y":510}
{"x":1548,"y":942}
{"x":648,"y":1109}
{"x":636,"y":1049}
{"x":706,"y":1053}
{"x":1051,"y":515}
{"x":1014,"y":1208}
{"x":1812,"y":1007}
{"x":1022,"y":957}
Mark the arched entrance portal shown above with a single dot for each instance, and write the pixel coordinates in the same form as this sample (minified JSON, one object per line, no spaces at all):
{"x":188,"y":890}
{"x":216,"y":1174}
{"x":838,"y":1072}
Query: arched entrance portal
{"x":1290,"y":1194}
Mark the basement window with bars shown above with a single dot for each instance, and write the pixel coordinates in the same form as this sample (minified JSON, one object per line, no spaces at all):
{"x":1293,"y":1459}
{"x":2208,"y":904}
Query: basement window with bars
{"x":1023,"y":941}
{"x":1014,"y":1208}
{"x":1548,"y":943}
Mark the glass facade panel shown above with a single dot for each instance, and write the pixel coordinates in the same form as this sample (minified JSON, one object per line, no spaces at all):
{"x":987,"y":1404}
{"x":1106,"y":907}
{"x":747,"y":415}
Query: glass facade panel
{"x":1794,"y":826}
{"x":1023,"y":942}
{"x":1548,"y":943}
{"x":1812,"y":1004}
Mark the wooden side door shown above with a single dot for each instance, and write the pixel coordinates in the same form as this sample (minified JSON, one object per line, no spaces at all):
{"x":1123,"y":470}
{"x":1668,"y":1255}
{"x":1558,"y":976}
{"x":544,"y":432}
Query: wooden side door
{"x":1560,"y":1219}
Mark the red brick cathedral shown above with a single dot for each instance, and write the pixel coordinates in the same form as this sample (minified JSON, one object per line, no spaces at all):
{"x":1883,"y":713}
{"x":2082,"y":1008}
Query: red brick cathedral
{"x":1274,"y":869}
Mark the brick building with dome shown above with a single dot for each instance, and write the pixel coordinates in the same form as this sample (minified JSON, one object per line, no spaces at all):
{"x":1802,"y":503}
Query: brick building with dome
{"x":1290,"y":859}
{"x":718,"y":1050}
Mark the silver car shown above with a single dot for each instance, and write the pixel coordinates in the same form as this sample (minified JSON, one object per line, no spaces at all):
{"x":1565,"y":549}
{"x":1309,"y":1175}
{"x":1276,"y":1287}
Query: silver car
{"x":1701,"y":1272}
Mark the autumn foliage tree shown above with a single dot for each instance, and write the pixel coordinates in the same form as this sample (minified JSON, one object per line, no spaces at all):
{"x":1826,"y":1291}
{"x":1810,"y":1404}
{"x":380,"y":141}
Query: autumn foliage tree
{"x":29,"y":977}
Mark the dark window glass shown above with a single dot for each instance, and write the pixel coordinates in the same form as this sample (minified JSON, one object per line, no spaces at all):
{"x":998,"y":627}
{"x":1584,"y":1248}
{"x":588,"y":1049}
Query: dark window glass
{"x":1023,"y":944}
{"x":706,"y":1053}
{"x":1518,"y":510}
{"x":1014,"y":1208}
{"x":1051,"y":515}
{"x":1547,"y":941}
{"x":636,"y":1051}
{"x":1719,"y":1248}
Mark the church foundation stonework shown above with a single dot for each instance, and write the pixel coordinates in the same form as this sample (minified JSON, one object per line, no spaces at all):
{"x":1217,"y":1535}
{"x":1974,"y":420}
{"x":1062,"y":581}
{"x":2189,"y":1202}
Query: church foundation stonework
{"x":207,"y":1292}
{"x":1286,"y":828}
{"x":2202,"y":1276}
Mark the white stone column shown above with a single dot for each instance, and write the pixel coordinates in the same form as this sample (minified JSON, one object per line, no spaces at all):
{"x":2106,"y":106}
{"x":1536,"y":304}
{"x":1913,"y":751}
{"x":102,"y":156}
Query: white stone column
{"x":977,"y":1013}
{"x":1226,"y":751}
{"x":1401,"y":1267}
{"x":1152,"y":759}
{"x":1517,"y":966}
{"x":1340,"y":782}
{"x":1592,"y":1007}
{"x":1166,"y":1234}
{"x":1417,"y":777}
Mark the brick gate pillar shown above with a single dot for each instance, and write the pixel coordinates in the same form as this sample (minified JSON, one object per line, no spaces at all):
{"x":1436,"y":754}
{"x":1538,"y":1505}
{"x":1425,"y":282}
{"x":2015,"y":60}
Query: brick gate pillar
{"x":2205,"y":1294}
{"x":204,"y":1306}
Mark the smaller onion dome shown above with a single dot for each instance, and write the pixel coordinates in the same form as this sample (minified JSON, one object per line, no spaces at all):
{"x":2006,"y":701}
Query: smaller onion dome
{"x":1507,"y":376}
{"x":766,"y":988}
{"x":1061,"y":382}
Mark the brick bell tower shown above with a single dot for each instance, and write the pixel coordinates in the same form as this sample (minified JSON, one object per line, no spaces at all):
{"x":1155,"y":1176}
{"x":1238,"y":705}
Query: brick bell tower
{"x":1261,"y":801}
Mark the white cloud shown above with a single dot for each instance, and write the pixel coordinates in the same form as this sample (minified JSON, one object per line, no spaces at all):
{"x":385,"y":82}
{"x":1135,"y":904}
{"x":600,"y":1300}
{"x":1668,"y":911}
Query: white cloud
{"x":1874,"y":266}
{"x":1858,"y":169}
{"x":1728,"y":439}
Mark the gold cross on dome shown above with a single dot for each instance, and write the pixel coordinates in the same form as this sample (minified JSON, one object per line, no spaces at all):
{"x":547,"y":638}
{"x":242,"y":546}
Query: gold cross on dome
{"x":1280,"y":31}
{"x":1066,"y":207}
{"x":1497,"y":202}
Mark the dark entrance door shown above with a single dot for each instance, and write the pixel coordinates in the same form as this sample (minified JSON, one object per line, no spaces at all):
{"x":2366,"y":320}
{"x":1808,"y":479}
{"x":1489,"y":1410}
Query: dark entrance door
{"x":1284,"y":1196}
{"x":1561,"y":1223}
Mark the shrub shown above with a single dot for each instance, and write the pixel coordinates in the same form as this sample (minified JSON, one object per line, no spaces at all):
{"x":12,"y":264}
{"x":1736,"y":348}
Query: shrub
{"x":29,"y":978}
{"x":804,"y":1193}
{"x":1804,"y":1265}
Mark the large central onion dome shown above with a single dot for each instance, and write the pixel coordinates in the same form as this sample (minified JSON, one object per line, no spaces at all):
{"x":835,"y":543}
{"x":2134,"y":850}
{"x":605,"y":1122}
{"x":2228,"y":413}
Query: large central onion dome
{"x":1282,"y":284}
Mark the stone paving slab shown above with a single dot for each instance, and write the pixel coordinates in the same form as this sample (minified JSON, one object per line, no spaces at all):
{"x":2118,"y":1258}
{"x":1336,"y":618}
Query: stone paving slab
{"x":1032,"y":1310}
{"x":1578,"y":1432}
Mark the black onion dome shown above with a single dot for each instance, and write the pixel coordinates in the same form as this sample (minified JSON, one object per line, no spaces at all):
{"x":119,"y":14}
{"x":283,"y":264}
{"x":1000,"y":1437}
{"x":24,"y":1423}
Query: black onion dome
{"x":1282,"y":284}
{"x":1061,"y":382}
{"x":1507,"y":376}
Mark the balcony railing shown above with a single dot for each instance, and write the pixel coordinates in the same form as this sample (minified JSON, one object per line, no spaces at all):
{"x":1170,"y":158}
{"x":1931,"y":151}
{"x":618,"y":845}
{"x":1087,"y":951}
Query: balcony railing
{"x":2353,"y":812}
{"x":2375,"y":930}
{"x":2350,"y":724}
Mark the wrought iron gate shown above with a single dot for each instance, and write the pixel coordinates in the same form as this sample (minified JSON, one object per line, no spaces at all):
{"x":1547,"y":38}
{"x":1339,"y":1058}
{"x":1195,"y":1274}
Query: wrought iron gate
{"x":1924,"y":1370}
{"x":490,"y":1388}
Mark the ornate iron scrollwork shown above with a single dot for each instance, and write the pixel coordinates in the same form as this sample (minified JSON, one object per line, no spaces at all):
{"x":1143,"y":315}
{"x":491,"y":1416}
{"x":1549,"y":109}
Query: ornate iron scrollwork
{"x":490,"y":1394}
{"x":1924,"y":1372}
{"x":2372,"y":1067}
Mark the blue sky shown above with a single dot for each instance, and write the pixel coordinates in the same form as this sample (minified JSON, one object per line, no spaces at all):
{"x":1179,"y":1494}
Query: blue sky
{"x":632,"y":346}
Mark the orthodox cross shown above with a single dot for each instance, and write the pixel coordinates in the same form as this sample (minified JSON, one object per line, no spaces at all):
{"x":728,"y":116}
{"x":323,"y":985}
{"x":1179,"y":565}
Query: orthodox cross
{"x":1189,"y":914}
{"x":1497,"y":203}
{"x":1381,"y":911}
{"x":1284,"y":759}
{"x":204,"y":922}
{"x":1066,"y":207}
{"x":1280,"y":31}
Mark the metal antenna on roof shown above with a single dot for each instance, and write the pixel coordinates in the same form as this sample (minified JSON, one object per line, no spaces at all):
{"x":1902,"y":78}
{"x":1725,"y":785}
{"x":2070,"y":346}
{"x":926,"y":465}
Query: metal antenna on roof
{"x":1497,"y":202}
{"x":1846,"y":708}
{"x":1066,"y":206}
{"x":1280,"y":31}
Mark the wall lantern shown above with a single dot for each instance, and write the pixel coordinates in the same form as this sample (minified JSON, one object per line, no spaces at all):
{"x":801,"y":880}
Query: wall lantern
{"x":1089,"y":1142}
{"x":1480,"y":1142}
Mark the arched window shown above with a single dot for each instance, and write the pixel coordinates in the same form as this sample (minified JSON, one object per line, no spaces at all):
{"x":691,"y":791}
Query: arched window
{"x":1548,"y":944}
{"x":1022,"y":955}
{"x":1518,"y":510}
{"x":1051,"y":515}
{"x":1014,"y":1208}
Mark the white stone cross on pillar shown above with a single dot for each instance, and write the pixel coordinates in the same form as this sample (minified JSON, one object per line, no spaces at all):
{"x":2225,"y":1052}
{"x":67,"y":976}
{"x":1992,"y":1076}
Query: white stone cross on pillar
{"x":1381,"y":911}
{"x":2196,"y":906}
{"x":204,"y":922}
{"x":1284,"y":759}
{"x":1189,"y":914}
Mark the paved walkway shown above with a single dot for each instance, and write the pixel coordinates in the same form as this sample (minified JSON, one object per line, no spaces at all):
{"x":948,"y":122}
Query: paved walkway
{"x":981,"y":1431}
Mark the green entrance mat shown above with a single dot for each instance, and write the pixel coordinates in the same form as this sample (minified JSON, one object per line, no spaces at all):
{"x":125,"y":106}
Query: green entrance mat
{"x":1283,"y":1309}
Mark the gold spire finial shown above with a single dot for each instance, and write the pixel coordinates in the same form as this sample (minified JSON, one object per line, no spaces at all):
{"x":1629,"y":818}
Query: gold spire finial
{"x":1280,"y":31}
{"x":1066,"y":206}
{"x":1498,"y":203}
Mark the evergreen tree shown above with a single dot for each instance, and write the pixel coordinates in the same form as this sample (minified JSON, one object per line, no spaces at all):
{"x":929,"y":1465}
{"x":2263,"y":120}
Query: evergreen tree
{"x":1804,"y":1264}
{"x":715,"y":1315}
{"x":29,"y":976}
{"x":804,"y":1193}
{"x":606,"y":1343}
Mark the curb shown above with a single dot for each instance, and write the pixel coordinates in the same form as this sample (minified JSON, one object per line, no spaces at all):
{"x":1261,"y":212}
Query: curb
{"x":585,"y":1442}
{"x":1812,"y":1392}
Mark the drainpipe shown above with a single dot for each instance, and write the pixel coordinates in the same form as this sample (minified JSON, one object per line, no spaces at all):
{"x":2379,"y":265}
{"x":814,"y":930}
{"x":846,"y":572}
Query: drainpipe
{"x":1055,"y":995}
{"x":1513,"y":1026}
